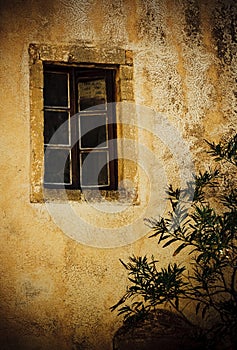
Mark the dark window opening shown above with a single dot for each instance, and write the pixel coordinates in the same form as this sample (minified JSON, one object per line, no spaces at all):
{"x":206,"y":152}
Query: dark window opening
{"x":79,"y":128}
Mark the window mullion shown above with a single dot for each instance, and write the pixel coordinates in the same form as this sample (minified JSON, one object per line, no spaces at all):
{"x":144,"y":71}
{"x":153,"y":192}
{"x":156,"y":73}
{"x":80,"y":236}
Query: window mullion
{"x":74,"y":130}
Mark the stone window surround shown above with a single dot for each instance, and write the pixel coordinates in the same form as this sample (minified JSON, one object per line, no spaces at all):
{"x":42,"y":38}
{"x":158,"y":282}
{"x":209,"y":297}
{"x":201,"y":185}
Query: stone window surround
{"x":77,"y":54}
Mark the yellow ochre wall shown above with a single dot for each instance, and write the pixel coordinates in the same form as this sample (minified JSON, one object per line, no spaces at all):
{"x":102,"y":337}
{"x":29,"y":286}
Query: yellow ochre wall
{"x":55,"y":291}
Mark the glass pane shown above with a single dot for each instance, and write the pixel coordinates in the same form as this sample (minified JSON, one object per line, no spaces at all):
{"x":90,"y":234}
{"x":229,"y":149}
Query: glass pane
{"x":93,"y":131}
{"x":57,"y":166}
{"x":56,"y":89}
{"x":52,"y":121}
{"x":92,"y":93}
{"x":94,"y":170}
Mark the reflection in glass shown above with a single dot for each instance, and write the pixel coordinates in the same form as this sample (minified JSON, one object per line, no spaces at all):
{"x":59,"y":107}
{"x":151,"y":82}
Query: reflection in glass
{"x":93,"y":131}
{"x":56,"y":89}
{"x":57,"y":166}
{"x":52,"y":121}
{"x":94,"y":171}
{"x":92,"y":93}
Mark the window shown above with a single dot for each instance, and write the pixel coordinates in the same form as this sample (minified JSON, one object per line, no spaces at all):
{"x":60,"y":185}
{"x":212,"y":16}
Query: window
{"x":79,"y":127}
{"x":89,"y":151}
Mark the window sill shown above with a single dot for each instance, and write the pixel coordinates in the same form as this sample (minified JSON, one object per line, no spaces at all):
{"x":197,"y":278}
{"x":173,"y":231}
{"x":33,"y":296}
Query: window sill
{"x":121,"y":196}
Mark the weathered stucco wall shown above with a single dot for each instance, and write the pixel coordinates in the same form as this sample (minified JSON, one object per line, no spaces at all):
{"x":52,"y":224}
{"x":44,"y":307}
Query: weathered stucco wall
{"x":55,"y":292}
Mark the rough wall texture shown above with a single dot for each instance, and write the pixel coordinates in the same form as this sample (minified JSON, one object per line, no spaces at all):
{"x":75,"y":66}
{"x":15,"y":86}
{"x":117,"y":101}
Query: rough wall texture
{"x":55,"y":292}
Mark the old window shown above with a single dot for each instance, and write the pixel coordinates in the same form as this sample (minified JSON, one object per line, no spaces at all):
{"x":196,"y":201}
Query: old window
{"x":77,"y":141}
{"x":79,"y":127}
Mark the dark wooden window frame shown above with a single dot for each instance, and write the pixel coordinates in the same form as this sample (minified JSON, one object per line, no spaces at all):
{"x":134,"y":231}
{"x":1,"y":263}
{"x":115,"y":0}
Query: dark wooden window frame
{"x":78,"y":73}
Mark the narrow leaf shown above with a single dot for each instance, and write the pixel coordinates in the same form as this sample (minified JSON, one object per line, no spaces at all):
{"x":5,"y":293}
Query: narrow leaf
{"x":169,"y":242}
{"x":182,"y":246}
{"x":198,"y":307}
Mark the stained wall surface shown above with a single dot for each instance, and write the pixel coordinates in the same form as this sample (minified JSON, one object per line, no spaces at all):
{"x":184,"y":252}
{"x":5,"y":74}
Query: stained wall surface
{"x":55,"y":290}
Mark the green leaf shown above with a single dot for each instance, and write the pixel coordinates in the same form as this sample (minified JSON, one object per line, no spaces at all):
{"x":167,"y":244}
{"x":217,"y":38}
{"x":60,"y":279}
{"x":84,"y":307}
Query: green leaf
{"x":177,"y":303}
{"x":169,"y":242}
{"x":182,"y":246}
{"x":198,"y":307}
{"x":125,"y":265}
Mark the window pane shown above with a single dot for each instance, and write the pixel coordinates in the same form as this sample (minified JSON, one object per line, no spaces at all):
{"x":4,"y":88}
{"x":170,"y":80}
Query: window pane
{"x":52,"y":121}
{"x":57,"y":166}
{"x":93,"y":131}
{"x":56,"y":89}
{"x":92,"y":93}
{"x":94,"y":171}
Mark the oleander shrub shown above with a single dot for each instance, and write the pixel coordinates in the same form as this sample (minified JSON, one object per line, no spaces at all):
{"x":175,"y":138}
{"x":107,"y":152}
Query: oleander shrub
{"x":206,"y":231}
